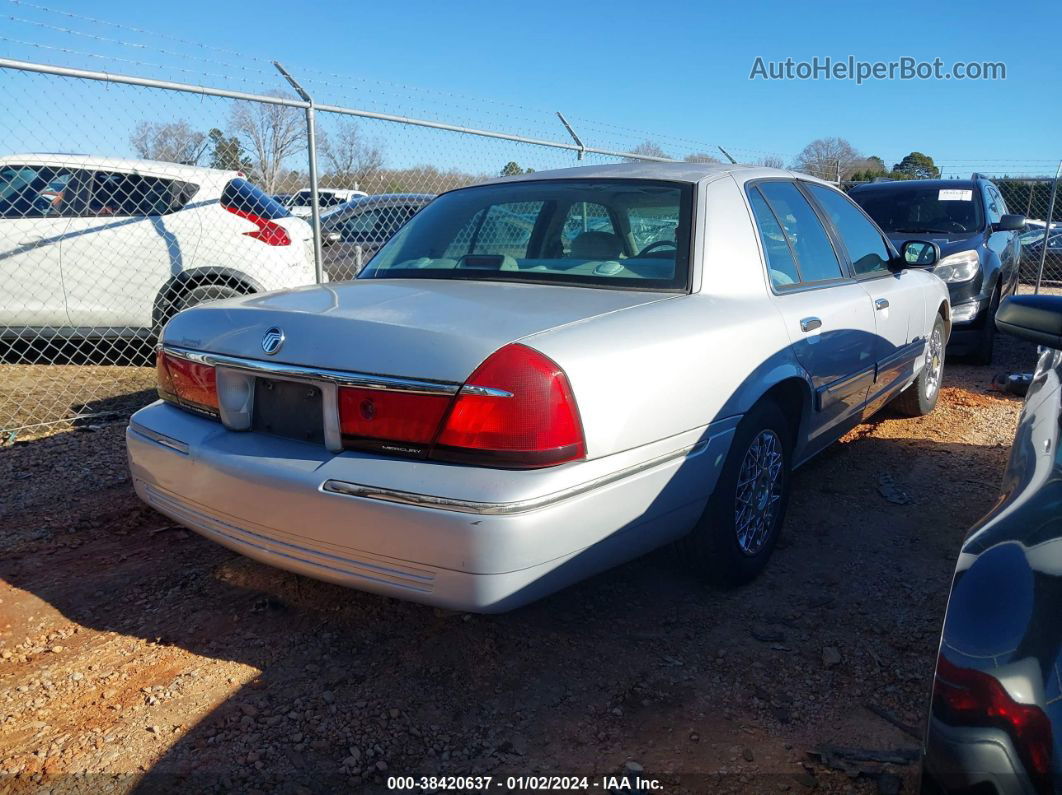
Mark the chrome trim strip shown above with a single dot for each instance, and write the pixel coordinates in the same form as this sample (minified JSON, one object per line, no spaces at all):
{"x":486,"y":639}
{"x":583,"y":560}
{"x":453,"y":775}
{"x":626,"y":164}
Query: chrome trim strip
{"x":161,"y":439}
{"x":484,"y":391}
{"x":344,"y":489}
{"x":339,"y":377}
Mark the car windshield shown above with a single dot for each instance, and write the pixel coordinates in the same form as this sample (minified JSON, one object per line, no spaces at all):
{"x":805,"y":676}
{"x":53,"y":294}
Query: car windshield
{"x":916,"y":209}
{"x":610,"y":233}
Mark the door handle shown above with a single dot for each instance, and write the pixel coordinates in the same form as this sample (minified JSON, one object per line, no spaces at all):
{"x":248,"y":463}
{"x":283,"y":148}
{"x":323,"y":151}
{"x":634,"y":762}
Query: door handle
{"x":881,"y":303}
{"x":810,"y":324}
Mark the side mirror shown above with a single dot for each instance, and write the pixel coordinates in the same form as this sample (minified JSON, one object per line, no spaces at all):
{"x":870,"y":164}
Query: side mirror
{"x":1009,"y":223}
{"x":331,"y":237}
{"x":919,"y":254}
{"x":1037,"y":318}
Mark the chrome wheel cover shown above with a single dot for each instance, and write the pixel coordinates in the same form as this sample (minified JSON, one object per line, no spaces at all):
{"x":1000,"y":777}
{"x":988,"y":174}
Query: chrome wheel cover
{"x":759,"y":491}
{"x":934,"y":362}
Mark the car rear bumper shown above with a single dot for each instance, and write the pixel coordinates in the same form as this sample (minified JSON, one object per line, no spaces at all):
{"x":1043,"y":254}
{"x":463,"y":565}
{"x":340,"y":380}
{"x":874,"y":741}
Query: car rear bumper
{"x":968,"y":759}
{"x":465,"y":538}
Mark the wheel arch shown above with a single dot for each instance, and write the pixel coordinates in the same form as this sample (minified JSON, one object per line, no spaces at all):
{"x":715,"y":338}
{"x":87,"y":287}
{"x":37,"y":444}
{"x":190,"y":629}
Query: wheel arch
{"x":187,"y":280}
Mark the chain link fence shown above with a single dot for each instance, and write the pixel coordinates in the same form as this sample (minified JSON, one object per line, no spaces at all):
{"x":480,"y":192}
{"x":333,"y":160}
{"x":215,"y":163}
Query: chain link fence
{"x":146,"y":196}
{"x":105,"y":232}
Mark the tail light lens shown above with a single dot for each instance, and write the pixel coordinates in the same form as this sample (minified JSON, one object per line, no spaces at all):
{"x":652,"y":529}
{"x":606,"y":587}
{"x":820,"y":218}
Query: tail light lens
{"x":188,"y":384}
{"x":968,"y":697}
{"x":398,"y":422}
{"x":516,"y":411}
{"x":269,"y":232}
{"x":536,"y":425}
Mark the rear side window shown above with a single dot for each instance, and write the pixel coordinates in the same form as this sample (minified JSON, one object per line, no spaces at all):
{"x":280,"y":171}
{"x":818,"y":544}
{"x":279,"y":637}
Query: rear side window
{"x":117,"y":194}
{"x":816,"y":260}
{"x":241,"y":195}
{"x":500,"y":229}
{"x":781,"y":262}
{"x":866,"y":248}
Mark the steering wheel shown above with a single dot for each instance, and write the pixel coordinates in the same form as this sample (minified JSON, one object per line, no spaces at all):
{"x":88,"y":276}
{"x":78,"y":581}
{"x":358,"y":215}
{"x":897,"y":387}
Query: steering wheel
{"x":656,"y":244}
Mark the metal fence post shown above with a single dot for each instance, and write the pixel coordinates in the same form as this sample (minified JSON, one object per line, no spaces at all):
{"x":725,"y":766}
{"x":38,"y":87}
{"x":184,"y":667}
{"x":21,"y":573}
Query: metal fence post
{"x":311,"y":148}
{"x":1047,"y":227}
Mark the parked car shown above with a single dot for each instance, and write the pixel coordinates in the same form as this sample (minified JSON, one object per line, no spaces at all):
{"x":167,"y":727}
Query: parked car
{"x":980,"y":252}
{"x":103,"y":247}
{"x":995,"y":722}
{"x":1032,"y":249}
{"x":354,"y":231}
{"x":327,"y":198}
{"x":502,"y":404}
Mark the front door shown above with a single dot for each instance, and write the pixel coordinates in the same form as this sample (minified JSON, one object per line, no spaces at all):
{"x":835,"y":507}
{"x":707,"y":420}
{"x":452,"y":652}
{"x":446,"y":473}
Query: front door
{"x":897,"y":296}
{"x":36,"y":203}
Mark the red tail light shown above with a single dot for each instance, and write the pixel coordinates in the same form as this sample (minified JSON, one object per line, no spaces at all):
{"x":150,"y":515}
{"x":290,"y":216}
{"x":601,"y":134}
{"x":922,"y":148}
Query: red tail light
{"x":187,"y":384}
{"x":269,"y":232}
{"x":536,"y":425}
{"x":400,"y":422}
{"x":968,"y":697}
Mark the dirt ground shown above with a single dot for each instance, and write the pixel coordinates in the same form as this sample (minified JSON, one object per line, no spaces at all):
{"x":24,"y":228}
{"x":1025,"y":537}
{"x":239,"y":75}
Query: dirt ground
{"x":134,"y":654}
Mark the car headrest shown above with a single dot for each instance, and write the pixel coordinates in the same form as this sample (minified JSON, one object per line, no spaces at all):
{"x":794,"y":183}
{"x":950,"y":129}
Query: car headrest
{"x":596,"y":245}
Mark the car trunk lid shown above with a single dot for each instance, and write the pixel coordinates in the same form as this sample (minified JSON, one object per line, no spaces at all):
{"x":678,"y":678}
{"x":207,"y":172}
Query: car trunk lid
{"x":432,"y":329}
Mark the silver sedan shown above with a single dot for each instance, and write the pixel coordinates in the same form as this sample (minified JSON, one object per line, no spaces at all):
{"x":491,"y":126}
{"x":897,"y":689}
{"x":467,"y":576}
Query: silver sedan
{"x":540,"y":377}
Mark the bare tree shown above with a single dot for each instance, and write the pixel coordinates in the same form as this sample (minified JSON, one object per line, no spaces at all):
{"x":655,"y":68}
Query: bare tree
{"x":771,"y":161}
{"x":174,"y":142}
{"x":351,"y":158}
{"x":828,"y":158}
{"x":270,"y":134}
{"x":649,"y":148}
{"x":701,"y":157}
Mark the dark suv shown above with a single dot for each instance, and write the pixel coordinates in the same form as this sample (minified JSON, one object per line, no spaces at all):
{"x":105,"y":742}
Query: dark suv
{"x":978,"y":239}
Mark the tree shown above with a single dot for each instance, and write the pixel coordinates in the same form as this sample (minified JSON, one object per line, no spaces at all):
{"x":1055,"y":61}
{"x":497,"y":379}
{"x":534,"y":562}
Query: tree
{"x":512,"y":168}
{"x":868,"y":169}
{"x":771,"y":161}
{"x":270,"y":134}
{"x":701,"y":157}
{"x":226,"y":152}
{"x":827,"y":158}
{"x":916,"y":166}
{"x":174,"y":142}
{"x":649,"y":149}
{"x":351,"y":159}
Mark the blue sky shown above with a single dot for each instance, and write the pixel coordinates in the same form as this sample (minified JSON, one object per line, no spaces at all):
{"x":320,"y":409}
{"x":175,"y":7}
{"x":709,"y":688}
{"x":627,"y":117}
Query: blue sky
{"x":677,"y":70}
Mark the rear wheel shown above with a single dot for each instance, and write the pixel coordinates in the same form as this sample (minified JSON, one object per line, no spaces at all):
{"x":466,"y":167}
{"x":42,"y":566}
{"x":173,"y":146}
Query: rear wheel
{"x":921,"y":396}
{"x":738,"y":530}
{"x":188,"y":298}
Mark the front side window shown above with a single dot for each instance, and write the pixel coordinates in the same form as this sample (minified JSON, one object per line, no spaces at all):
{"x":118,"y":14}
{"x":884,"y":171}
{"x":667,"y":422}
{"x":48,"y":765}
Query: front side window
{"x":994,"y":205}
{"x":614,"y":233}
{"x":375,"y":224}
{"x":866,"y":248}
{"x":918,"y":210}
{"x":815,"y":258}
{"x":36,"y":192}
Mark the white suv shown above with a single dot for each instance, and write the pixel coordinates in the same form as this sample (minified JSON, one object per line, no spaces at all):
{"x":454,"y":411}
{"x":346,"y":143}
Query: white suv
{"x":102,"y":247}
{"x":327,"y":199}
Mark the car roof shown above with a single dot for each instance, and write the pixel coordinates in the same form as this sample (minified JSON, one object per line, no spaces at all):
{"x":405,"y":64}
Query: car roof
{"x":667,"y":171}
{"x":903,"y":184}
{"x":155,"y":168}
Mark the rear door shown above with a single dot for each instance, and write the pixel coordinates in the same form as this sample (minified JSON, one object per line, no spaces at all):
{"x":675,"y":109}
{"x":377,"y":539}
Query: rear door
{"x":36,"y":204}
{"x":128,"y":243}
{"x":829,"y":317}
{"x":898,"y":296}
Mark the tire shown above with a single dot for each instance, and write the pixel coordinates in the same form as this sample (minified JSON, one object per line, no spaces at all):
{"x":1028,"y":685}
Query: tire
{"x":197,"y":295}
{"x":713,"y":547}
{"x":921,"y":396}
{"x":986,"y":341}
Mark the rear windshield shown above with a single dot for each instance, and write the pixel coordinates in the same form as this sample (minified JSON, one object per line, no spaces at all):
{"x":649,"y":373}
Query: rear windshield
{"x":609,"y":233}
{"x":917,"y":209}
{"x":241,"y":195}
